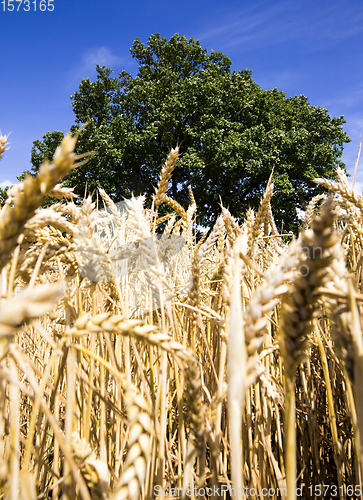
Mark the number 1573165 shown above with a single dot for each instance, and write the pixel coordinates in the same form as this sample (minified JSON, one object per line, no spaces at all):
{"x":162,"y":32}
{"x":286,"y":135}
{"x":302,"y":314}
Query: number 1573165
{"x":27,"y":5}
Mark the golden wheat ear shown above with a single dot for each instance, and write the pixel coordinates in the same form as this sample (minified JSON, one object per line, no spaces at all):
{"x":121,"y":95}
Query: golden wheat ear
{"x":165,"y":175}
{"x":263,"y":211}
{"x":311,"y":210}
{"x":31,"y":303}
{"x":29,"y":194}
{"x":348,"y":196}
{"x":298,"y":308}
{"x":139,"y":446}
{"x":3,"y":141}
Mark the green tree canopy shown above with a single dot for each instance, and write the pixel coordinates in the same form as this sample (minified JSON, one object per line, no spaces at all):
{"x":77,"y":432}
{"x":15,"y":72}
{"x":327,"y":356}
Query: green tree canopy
{"x":231,"y":133}
{"x":45,"y":150}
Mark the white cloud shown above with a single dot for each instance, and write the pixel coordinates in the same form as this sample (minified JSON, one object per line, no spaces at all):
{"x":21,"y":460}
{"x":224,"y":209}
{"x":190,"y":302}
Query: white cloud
{"x":5,"y":184}
{"x":102,"y":56}
{"x":87,"y":65}
{"x":315,"y":26}
{"x":252,"y":24}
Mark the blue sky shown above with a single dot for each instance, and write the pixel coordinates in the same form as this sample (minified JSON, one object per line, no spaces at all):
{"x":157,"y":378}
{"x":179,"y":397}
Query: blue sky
{"x":310,"y":47}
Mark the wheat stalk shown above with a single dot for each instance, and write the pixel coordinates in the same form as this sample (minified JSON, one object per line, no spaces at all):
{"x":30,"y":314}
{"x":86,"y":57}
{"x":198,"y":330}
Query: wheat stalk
{"x":129,"y":327}
{"x":297,"y":311}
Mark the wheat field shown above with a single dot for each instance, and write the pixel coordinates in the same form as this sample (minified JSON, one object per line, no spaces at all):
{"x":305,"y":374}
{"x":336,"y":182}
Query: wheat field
{"x":139,"y":361}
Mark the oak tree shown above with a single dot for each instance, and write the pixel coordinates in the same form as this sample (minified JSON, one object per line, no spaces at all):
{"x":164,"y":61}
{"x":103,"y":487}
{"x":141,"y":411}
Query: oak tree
{"x":231,"y":133}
